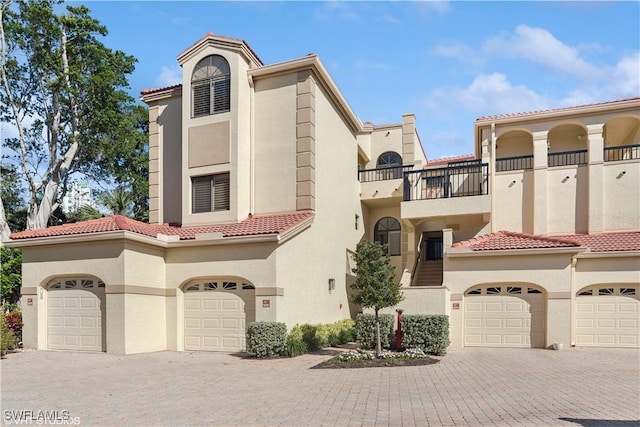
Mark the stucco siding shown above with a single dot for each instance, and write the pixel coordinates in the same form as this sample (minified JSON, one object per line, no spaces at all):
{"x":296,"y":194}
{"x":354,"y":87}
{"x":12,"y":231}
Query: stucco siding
{"x":275,"y":144}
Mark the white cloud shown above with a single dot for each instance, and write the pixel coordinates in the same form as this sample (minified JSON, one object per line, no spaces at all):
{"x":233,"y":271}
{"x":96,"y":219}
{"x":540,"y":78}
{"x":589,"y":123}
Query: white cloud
{"x":459,"y":51}
{"x":489,"y":94}
{"x":539,"y":45}
{"x":426,"y":7}
{"x":169,"y":76}
{"x":625,"y":78}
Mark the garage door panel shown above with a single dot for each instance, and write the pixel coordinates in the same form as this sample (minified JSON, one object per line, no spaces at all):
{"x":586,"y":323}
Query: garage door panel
{"x":70,"y":302}
{"x":211,"y":323}
{"x":514,"y":306}
{"x":473,"y":323}
{"x":495,"y":307}
{"x":493,"y":323}
{"x":514,"y":323}
{"x":211,"y":305}
{"x":517,"y":340}
{"x":629,"y":307}
{"x":473,"y":306}
{"x":606,"y":323}
{"x":606,"y":307}
{"x":628,"y":323}
{"x":629,"y":340}
{"x":585,"y":323}
{"x":89,"y":322}
{"x":585,"y":307}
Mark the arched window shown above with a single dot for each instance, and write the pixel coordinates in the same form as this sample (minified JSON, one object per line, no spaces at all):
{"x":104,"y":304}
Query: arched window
{"x":211,"y":86}
{"x":387,"y":232}
{"x":391,"y":163}
{"x":388,"y":159}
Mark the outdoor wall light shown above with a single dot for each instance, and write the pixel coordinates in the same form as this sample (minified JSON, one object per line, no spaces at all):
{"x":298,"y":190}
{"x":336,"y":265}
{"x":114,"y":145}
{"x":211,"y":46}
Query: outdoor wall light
{"x":332,"y":284}
{"x":41,"y":293}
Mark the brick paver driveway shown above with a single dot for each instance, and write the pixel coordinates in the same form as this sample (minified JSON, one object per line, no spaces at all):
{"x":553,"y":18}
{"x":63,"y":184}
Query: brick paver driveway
{"x":474,"y":387}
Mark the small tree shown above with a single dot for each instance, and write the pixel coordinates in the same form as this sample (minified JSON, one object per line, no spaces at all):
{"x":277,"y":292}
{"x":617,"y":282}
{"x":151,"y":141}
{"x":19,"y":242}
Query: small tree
{"x":375,"y":283}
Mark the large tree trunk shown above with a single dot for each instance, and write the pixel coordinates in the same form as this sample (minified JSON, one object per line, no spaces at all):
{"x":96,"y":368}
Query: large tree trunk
{"x":5,"y":232}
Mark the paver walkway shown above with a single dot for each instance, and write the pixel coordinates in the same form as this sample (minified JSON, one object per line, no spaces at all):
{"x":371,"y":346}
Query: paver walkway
{"x":469,"y":387}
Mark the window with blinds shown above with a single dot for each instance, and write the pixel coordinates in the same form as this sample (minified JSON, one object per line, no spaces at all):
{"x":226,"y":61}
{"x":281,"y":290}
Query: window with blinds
{"x":211,"y":86}
{"x":210,"y":193}
{"x":387,"y":232}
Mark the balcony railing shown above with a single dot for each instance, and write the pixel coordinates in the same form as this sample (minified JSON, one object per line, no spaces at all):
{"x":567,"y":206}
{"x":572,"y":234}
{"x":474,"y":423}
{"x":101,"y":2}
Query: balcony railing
{"x":626,"y":152}
{"x":383,"y":174}
{"x":514,"y":163}
{"x":566,"y":158}
{"x":452,"y":181}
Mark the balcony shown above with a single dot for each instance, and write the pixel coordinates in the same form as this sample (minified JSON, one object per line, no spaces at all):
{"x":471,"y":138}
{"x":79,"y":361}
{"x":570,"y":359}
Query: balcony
{"x":514,"y":163}
{"x":382,"y":187}
{"x":447,"y":191}
{"x":383,"y":174}
{"x":626,"y":152}
{"x":567,"y":158}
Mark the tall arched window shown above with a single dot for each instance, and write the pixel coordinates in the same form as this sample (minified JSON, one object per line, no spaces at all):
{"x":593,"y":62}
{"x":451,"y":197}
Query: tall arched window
{"x":387,"y":232}
{"x":211,"y":86}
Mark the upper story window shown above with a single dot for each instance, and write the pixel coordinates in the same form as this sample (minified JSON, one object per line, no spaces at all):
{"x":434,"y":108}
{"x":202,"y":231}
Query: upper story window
{"x":210,"y":193}
{"x":387,"y":232}
{"x":211,"y":87}
{"x":389,"y":159}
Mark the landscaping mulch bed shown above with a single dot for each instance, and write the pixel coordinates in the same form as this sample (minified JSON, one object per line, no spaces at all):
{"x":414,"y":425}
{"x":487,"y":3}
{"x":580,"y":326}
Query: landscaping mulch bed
{"x":375,"y":363}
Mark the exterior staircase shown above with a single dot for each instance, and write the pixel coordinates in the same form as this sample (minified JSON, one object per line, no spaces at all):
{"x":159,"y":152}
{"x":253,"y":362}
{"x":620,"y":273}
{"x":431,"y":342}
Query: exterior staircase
{"x":428,"y":273}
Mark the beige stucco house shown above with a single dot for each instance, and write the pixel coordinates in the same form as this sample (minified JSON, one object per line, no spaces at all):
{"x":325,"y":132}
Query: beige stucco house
{"x":263,"y":181}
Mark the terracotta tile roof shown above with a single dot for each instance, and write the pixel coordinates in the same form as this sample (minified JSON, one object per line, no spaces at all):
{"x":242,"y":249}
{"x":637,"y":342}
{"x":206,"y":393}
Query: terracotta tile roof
{"x":509,"y":240}
{"x":552,"y":110}
{"x":608,"y":242}
{"x":160,"y":89}
{"x":602,"y":242}
{"x":251,"y":226}
{"x":445,"y":160}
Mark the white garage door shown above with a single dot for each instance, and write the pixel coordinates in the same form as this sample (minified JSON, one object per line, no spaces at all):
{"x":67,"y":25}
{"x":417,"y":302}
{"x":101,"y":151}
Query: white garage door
{"x":215,"y":316}
{"x":75,"y":314}
{"x":608,"y":316}
{"x":504,"y":316}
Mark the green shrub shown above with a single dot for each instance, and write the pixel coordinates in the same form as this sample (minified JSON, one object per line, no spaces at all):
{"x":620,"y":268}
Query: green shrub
{"x":267,"y":339}
{"x":296,"y":346}
{"x":430,"y":333}
{"x":366,"y":330}
{"x":8,"y":340}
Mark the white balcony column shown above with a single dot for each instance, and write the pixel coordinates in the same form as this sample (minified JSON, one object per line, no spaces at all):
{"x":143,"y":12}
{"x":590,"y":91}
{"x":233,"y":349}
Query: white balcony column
{"x":540,"y":162}
{"x":595,"y":147}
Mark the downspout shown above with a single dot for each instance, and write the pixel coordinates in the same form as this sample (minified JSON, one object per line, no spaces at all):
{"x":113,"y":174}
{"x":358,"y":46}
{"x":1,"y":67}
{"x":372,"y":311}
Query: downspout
{"x":492,"y":176}
{"x":572,"y":327}
{"x":251,"y":142}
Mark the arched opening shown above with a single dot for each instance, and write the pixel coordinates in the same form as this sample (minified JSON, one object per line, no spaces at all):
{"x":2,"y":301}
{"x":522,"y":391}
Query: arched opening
{"x":504,"y":315}
{"x":608,"y":315}
{"x":76,"y":314}
{"x":387,"y":231}
{"x":216,"y":313}
{"x":514,"y":151}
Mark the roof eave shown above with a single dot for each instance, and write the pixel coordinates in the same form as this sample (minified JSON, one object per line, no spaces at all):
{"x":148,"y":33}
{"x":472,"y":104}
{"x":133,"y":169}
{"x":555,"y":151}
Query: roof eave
{"x":561,"y":113}
{"x":465,"y":251}
{"x":162,"y":94}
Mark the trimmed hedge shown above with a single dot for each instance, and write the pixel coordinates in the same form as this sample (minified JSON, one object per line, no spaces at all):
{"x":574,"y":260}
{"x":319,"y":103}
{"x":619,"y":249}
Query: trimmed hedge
{"x":430,"y":333}
{"x":323,"y":335}
{"x":366,"y":330}
{"x":267,"y":339}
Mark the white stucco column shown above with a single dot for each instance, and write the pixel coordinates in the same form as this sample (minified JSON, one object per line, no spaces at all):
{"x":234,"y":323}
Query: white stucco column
{"x":595,"y":145}
{"x":540,"y":162}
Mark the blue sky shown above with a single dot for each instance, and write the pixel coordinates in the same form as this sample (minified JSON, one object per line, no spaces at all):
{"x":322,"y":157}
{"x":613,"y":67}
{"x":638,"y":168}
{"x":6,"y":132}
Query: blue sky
{"x":447,"y":62}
